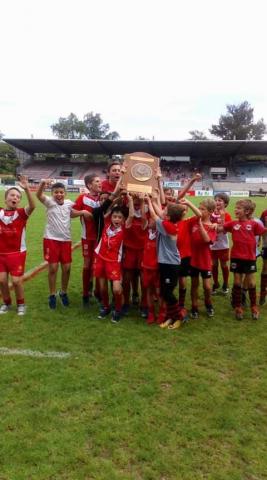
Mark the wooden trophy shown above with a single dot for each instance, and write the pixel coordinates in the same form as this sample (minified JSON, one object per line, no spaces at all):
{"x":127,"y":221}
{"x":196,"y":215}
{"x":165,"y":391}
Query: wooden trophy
{"x":140,"y":175}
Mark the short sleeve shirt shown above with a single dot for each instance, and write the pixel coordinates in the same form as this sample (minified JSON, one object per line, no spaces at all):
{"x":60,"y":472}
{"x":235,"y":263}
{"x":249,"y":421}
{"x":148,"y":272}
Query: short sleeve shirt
{"x":243,"y":236}
{"x":58,"y":220}
{"x":12,"y":230}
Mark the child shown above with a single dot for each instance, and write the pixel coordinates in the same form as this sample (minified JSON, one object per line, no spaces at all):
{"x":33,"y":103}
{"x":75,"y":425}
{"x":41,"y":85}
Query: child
{"x":203,"y":234}
{"x":220,"y":248}
{"x":12,"y":244}
{"x":243,"y":254}
{"x":107,"y":263}
{"x":168,"y":259}
{"x":88,"y":201}
{"x":57,"y":238}
{"x":263,"y":291}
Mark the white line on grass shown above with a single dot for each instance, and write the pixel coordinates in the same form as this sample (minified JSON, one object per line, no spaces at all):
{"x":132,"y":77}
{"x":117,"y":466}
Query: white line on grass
{"x":33,"y":353}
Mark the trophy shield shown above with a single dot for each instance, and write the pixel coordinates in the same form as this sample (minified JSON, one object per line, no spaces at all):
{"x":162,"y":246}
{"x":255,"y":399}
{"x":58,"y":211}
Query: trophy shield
{"x":140,"y":175}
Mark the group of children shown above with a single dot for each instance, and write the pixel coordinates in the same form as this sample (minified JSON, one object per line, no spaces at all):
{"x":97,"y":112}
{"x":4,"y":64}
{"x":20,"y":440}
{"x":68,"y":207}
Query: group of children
{"x":135,"y":243}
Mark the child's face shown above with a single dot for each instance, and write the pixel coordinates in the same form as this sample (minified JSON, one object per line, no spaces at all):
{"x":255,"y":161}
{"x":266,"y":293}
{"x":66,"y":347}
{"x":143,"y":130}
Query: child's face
{"x":58,"y":195}
{"x":114,"y":173}
{"x":240,"y":212}
{"x":204,"y":211}
{"x":117,"y":219}
{"x":220,"y":205}
{"x":12,"y":199}
{"x":95,"y":185}
{"x":168,"y":194}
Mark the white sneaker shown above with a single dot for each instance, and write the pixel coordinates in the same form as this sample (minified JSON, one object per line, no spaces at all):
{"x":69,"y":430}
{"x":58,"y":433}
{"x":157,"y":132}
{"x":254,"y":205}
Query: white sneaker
{"x":4,"y":308}
{"x":21,"y":309}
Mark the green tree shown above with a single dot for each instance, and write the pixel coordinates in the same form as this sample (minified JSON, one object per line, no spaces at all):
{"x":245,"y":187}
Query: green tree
{"x":1,"y":135}
{"x":238,"y":124}
{"x":8,"y":159}
{"x":197,"y":135}
{"x":90,"y":127}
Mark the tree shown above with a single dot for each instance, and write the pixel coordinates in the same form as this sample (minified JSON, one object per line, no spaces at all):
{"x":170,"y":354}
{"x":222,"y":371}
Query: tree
{"x":238,"y":124}
{"x":90,"y":127}
{"x":8,"y":159}
{"x":1,"y":135}
{"x":197,"y":135}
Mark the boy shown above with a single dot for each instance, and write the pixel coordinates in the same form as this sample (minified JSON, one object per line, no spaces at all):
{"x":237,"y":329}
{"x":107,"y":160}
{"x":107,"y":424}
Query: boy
{"x":203,"y":234}
{"x":57,"y":238}
{"x":88,"y":201}
{"x":168,"y":259}
{"x":263,"y":291}
{"x":114,"y":174}
{"x":107,"y":263}
{"x":220,"y":248}
{"x":12,"y":244}
{"x":243,"y":254}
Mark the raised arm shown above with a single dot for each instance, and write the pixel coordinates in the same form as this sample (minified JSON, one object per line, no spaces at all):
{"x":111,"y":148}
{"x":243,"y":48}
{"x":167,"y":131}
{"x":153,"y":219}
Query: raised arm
{"x":160,"y":186}
{"x":31,"y":203}
{"x":129,"y":220}
{"x":187,"y":187}
{"x":204,"y":234}
{"x":151,"y":209}
{"x":40,"y":191}
{"x":192,"y":207}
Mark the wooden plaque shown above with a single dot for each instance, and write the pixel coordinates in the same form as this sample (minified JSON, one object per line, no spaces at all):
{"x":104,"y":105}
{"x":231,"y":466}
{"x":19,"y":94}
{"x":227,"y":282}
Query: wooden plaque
{"x":140,"y":176}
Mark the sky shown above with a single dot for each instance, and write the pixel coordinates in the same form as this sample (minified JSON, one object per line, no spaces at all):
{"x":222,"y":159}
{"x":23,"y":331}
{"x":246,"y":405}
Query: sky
{"x":152,"y":68}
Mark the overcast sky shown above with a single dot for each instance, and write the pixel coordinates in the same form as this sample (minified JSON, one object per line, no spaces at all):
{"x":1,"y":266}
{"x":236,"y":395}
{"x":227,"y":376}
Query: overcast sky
{"x":150,"y":68}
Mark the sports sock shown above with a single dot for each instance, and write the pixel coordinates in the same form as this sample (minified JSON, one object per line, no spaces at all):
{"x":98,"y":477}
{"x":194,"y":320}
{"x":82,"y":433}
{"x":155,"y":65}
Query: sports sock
{"x":215,"y":273}
{"x":263,"y":284}
{"x":7,"y":301}
{"x":237,"y":296}
{"x":252,"y":296}
{"x":118,"y":301}
{"x":182,"y":293}
{"x":20,"y":301}
{"x":225,"y":273}
{"x":105,"y":298}
{"x":86,"y":281}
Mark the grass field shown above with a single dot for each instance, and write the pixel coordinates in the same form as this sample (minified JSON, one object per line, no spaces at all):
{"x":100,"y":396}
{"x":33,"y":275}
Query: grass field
{"x":131,"y":401}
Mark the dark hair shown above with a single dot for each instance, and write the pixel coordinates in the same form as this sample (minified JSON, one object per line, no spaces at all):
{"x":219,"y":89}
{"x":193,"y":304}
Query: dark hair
{"x":12,"y":188}
{"x":90,"y":178}
{"x":58,"y":185}
{"x":223,"y":196}
{"x":175,"y":212}
{"x":118,"y":209}
{"x":113,"y":163}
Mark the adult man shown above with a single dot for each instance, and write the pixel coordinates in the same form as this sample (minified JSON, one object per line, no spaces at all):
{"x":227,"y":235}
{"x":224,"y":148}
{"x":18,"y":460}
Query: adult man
{"x":114,"y":173}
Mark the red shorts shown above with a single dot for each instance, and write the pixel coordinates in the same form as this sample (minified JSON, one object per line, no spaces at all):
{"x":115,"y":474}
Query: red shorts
{"x":150,"y":277}
{"x":56,"y":251}
{"x":108,"y":270}
{"x":132,"y":258}
{"x":13,"y":263}
{"x":222,"y":255}
{"x":88,"y":247}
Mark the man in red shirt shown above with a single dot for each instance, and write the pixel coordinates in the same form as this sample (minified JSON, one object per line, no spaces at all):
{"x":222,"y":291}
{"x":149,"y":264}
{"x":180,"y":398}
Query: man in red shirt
{"x":114,"y":174}
{"x":243,"y":254}
{"x":88,"y":201}
{"x":12,"y":245}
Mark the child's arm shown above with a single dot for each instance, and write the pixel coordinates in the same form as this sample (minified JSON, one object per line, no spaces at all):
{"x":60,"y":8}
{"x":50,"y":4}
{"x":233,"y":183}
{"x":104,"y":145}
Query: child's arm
{"x":80,"y":213}
{"x":143,"y":213}
{"x":24,"y":184}
{"x":194,"y":209}
{"x":40,"y":191}
{"x":160,"y":186}
{"x":187,"y":187}
{"x":151,"y":209}
{"x":204,"y":234}
{"x":129,"y":220}
{"x":156,"y":202}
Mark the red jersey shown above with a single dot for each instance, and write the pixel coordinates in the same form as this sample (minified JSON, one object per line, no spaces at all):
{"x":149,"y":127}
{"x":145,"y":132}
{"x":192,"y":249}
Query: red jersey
{"x":135,"y":235}
{"x":150,"y":258}
{"x":264,"y":218}
{"x":110,"y":245}
{"x":87,"y":202}
{"x":183,"y":238}
{"x":243,"y":236}
{"x":106,"y":186}
{"x":200,"y":250}
{"x":12,"y":230}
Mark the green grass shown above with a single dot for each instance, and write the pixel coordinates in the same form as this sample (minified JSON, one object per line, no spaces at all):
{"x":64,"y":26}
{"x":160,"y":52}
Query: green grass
{"x":132,"y":401}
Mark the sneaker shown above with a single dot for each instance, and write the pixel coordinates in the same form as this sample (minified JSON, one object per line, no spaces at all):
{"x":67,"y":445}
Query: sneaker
{"x":225,"y":290}
{"x":103,"y":312}
{"x":52,"y":301}
{"x":115,"y":316}
{"x":210,"y":311}
{"x":4,"y":309}
{"x":262,"y":300}
{"x":165,"y":324}
{"x":125,"y":310}
{"x":85,"y":300}
{"x":194,"y":314}
{"x":150,"y":318}
{"x":239,"y":313}
{"x":144,"y":312}
{"x":64,"y":299}
{"x":255,"y":313}
{"x":183,"y":314}
{"x":135,"y":300}
{"x":215,"y":289}
{"x":21,"y":309}
{"x":175,"y":325}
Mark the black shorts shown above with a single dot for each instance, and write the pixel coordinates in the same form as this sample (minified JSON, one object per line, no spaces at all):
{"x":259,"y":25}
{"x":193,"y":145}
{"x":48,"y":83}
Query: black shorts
{"x":264,"y":253}
{"x":238,"y":265}
{"x":185,"y":268}
{"x":195,"y":272}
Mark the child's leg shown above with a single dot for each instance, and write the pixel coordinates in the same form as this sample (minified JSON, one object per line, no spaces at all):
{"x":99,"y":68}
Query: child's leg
{"x":19,"y":290}
{"x":215,"y":272}
{"x":237,"y":290}
{"x":86,"y":275}
{"x":135,"y":283}
{"x":117,"y":293}
{"x":182,"y":291}
{"x":225,"y":273}
{"x":126,"y":285}
{"x":207,"y":292}
{"x":4,"y":288}
{"x":263,"y":281}
{"x":251,"y":283}
{"x":65,"y":276}
{"x":52,"y":277}
{"x":168,"y":282}
{"x":103,"y":284}
{"x":194,"y":292}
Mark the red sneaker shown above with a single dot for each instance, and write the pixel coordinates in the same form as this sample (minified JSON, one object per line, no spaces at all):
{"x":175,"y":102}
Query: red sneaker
{"x":151,"y":318}
{"x":161,"y":317}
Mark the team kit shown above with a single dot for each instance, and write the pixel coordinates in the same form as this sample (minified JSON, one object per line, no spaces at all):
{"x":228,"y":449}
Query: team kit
{"x":137,"y":248}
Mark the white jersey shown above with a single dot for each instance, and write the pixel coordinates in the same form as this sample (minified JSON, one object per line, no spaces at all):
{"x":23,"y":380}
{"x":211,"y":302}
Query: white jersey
{"x":58,"y":220}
